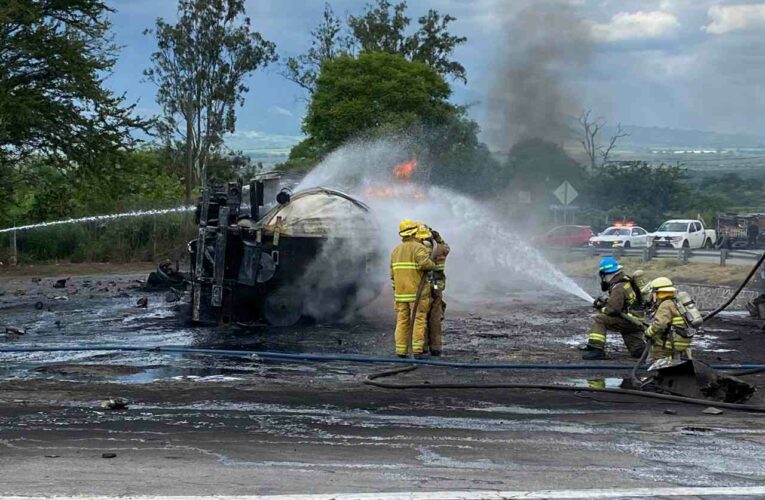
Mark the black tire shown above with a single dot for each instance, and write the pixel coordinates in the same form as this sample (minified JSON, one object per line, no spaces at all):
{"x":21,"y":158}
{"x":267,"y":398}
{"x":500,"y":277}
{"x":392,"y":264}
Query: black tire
{"x":708,"y":244}
{"x":627,"y":244}
{"x":686,"y":244}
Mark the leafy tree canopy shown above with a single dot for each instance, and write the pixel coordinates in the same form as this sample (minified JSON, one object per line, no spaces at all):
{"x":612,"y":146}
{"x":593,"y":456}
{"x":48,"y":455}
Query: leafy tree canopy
{"x":374,"y":92}
{"x":382,"y":27}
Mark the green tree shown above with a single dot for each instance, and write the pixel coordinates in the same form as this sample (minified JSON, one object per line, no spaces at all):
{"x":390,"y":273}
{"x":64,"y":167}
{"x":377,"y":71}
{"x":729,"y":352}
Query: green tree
{"x":640,"y":192}
{"x":199,"y":68}
{"x":382,"y":28}
{"x":54,"y":57}
{"x":374,"y":93}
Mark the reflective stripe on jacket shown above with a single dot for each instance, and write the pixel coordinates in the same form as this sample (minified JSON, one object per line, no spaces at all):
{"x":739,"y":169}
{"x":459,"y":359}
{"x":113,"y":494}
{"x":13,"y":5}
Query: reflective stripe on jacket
{"x":408,"y":262}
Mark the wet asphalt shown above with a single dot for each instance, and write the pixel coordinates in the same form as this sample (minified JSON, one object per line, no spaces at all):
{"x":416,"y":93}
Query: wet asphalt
{"x":202,"y":425}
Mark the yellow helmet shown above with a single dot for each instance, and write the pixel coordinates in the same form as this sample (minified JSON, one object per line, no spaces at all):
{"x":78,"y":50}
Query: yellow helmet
{"x":407,"y":227}
{"x":423,"y":232}
{"x":663,"y":284}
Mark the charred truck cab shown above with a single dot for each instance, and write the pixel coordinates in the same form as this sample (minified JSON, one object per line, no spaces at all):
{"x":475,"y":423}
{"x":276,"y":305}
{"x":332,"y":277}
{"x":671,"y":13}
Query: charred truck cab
{"x":312,"y":255}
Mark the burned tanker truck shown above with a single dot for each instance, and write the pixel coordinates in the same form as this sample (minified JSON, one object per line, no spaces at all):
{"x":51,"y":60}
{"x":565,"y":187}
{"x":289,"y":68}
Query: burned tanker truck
{"x":312,"y":254}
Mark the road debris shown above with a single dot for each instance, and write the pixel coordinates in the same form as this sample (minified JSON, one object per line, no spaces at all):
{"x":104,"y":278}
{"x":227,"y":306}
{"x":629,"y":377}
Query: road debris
{"x":142,"y":302}
{"x":115,"y":404}
{"x":711,"y":410}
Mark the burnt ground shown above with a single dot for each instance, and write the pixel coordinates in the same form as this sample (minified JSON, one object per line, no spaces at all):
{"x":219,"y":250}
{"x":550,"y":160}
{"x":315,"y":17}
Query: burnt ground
{"x":203,"y":425}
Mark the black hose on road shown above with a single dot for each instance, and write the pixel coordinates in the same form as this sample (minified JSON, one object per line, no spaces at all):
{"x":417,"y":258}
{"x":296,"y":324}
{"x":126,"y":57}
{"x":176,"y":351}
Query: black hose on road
{"x":372,"y":380}
{"x":730,"y":300}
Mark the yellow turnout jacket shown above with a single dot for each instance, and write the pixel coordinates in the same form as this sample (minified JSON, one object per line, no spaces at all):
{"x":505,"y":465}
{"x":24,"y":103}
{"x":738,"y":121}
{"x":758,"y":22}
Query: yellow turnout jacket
{"x":408,"y":262}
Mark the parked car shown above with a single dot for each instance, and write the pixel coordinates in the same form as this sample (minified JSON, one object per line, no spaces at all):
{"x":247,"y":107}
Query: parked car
{"x":565,"y":236}
{"x":621,"y":236}
{"x":684,"y":233}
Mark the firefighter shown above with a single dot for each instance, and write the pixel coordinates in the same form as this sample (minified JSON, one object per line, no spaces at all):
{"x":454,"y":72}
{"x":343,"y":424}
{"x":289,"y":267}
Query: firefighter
{"x":437,"y":280}
{"x":409,"y":262}
{"x":616,"y":311}
{"x":668,"y":332}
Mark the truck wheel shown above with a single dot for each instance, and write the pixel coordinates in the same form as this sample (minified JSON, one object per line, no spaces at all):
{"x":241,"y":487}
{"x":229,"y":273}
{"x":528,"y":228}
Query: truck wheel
{"x":627,"y":244}
{"x":686,"y":244}
{"x":708,"y":244}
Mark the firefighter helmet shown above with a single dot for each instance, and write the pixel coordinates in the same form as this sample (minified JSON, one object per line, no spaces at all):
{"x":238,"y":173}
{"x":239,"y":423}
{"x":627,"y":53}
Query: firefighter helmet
{"x":423,"y":232}
{"x":663,"y":284}
{"x":608,"y":265}
{"x":407,"y":227}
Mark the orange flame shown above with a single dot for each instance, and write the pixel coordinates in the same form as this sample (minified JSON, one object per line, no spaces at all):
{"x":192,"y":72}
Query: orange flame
{"x":405,"y":170}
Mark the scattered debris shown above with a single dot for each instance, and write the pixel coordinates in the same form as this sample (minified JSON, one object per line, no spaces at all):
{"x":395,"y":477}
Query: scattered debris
{"x":2,"y":292}
{"x":108,"y":455}
{"x":114,"y":404}
{"x":58,"y":323}
{"x":15,"y":331}
{"x":39,"y":305}
{"x":52,"y":456}
{"x":60,"y":283}
{"x":172,"y":296}
{"x":670,"y":412}
{"x":142,"y":302}
{"x":60,"y":297}
{"x":711,"y":410}
{"x":20,"y":291}
{"x":165,"y":276}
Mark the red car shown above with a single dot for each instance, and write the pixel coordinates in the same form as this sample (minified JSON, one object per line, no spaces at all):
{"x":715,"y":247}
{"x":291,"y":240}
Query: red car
{"x":565,"y":236}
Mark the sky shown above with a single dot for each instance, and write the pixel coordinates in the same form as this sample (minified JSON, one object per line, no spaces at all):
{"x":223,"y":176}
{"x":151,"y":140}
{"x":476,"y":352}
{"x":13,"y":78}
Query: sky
{"x":690,"y":64}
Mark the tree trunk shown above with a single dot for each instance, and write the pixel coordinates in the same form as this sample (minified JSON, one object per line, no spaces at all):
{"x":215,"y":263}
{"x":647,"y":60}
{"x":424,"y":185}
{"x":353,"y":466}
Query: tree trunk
{"x":189,"y":151}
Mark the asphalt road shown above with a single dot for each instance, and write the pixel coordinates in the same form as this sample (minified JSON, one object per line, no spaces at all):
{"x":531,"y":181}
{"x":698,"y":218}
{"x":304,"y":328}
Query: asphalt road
{"x":201,"y":426}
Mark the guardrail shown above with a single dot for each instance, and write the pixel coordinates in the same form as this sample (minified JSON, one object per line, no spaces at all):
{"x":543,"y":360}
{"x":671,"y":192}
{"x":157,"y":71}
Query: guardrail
{"x":682,"y":255}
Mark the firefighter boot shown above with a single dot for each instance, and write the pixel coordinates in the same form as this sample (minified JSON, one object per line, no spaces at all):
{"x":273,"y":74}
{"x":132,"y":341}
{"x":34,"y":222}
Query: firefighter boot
{"x":594,"y":354}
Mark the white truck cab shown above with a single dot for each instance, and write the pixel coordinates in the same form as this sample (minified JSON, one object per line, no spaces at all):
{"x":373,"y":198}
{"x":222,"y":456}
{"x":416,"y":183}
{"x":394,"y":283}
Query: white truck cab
{"x":684,"y":233}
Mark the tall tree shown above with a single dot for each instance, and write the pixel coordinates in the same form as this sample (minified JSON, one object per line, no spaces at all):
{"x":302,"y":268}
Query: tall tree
{"x":200,"y":68}
{"x":54,"y":57}
{"x":380,"y":28}
{"x":375,"y":92}
{"x":327,"y":42}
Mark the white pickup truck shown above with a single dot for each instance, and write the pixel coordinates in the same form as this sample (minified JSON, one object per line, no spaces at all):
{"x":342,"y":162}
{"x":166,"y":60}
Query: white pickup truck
{"x":684,"y":233}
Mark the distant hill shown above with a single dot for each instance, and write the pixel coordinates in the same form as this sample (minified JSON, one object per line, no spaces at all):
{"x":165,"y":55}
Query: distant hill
{"x":647,"y":138}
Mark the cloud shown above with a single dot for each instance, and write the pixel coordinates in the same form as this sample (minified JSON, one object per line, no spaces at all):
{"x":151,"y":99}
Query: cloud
{"x":278,"y":110}
{"x":636,"y":25}
{"x":728,"y":18}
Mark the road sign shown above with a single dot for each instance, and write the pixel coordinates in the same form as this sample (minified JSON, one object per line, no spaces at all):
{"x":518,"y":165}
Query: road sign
{"x":566,"y":193}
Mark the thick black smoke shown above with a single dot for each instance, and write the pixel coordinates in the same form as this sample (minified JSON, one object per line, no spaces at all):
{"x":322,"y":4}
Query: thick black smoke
{"x":547,"y":45}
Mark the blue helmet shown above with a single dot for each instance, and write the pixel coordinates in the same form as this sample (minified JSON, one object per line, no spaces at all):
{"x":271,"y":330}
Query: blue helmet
{"x":608,"y":265}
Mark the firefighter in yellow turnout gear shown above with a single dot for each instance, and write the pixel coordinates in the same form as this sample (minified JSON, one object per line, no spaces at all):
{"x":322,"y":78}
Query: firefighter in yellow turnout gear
{"x":621,"y":299}
{"x":668,"y":331}
{"x":437,"y":283}
{"x":409,"y":262}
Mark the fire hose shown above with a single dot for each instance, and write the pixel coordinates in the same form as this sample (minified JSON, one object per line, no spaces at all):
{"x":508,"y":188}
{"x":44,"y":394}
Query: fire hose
{"x":743,"y":284}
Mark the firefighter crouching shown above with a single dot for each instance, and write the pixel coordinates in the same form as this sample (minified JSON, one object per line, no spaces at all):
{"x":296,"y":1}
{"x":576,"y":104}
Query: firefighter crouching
{"x":621,"y":300}
{"x":437,"y":282}
{"x":409,"y":262}
{"x":669,"y":333}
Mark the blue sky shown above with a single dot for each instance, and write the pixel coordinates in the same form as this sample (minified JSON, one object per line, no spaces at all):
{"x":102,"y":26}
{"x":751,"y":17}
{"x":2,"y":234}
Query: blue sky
{"x":691,"y":64}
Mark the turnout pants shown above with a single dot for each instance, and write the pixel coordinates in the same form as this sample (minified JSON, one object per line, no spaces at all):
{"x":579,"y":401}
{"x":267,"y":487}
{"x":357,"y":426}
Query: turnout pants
{"x":436,"y":321}
{"x":631,"y":333}
{"x":404,"y":314}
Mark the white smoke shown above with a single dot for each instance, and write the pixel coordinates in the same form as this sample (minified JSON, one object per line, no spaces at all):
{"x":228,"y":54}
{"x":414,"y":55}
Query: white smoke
{"x":485,"y":252}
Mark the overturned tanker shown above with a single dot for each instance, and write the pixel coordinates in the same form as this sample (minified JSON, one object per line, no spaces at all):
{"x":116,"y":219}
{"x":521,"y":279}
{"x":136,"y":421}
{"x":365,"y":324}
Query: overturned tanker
{"x":312,"y":255}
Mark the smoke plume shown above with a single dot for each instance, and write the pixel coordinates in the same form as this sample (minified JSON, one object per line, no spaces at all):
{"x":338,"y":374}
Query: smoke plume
{"x":546,"y":46}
